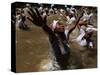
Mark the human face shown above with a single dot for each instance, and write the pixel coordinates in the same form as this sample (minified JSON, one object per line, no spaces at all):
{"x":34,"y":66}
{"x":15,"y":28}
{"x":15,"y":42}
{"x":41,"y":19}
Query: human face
{"x":60,"y":27}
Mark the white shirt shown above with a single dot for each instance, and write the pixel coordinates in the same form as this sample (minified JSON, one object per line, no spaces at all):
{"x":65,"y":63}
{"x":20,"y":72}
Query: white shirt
{"x":70,"y":20}
{"x":50,"y":10}
{"x":81,"y":42}
{"x":26,"y":11}
{"x":87,"y":17}
{"x":72,"y":9}
{"x":66,"y":33}
{"x":18,"y":19}
{"x":90,"y":29}
{"x":40,"y":9}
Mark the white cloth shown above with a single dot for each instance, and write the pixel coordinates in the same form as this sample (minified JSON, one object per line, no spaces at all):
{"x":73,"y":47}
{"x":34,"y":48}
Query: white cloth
{"x":54,"y":24}
{"x":87,"y":17}
{"x":44,"y":14}
{"x":50,"y":10}
{"x":91,"y":44}
{"x":62,"y":48}
{"x":18,"y":20}
{"x":90,"y":28}
{"x":40,"y":9}
{"x":61,"y":10}
{"x":68,"y":9}
{"x":70,"y":20}
{"x":66,"y":33}
{"x":26,"y":11}
{"x":72,"y":10}
{"x":81,"y":42}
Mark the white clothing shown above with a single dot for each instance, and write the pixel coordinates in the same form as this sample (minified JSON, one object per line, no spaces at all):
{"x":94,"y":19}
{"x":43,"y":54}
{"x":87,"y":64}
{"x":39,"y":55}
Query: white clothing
{"x":52,"y":5}
{"x":68,"y":9}
{"x":73,"y":10}
{"x":50,"y":10}
{"x":66,"y":33}
{"x":40,"y":9}
{"x":18,"y":20}
{"x":90,"y":28}
{"x":54,"y":25}
{"x":61,"y":10}
{"x":70,"y":20}
{"x":86,"y":17}
{"x":91,"y":44}
{"x":26,"y":11}
{"x":80,"y":40}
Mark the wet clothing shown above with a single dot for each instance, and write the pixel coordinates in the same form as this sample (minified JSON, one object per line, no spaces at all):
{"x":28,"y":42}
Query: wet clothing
{"x":70,"y":20}
{"x":80,"y":39}
{"x":59,"y":52}
{"x":26,"y":11}
{"x":18,"y":20}
{"x":87,"y":17}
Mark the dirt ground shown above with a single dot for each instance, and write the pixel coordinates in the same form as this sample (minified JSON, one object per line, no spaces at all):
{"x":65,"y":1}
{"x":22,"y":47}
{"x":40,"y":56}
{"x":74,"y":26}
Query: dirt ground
{"x":32,"y":51}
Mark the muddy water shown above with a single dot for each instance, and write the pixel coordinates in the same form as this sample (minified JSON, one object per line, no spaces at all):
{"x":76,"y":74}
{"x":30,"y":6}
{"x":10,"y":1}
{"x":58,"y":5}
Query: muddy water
{"x":32,"y":52}
{"x":32,"y":48}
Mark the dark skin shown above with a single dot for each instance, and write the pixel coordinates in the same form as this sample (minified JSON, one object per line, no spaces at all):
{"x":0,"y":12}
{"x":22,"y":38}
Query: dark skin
{"x":41,"y":21}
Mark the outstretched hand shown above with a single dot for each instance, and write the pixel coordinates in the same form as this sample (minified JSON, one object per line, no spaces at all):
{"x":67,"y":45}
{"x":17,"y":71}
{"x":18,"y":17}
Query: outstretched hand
{"x":36,"y":18}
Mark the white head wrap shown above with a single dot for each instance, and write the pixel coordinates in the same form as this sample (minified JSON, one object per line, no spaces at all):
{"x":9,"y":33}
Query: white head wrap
{"x":27,"y":5}
{"x":54,"y":24}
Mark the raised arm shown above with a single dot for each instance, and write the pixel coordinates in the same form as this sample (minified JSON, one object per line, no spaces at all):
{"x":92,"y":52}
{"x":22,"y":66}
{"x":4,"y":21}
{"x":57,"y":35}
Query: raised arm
{"x":39,"y":20}
{"x":76,"y":24}
{"x":77,"y":21}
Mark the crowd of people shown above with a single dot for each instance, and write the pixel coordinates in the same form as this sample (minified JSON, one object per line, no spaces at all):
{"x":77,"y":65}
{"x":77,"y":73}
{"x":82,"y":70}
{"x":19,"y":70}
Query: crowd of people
{"x":85,"y":25}
{"x":59,"y":33}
